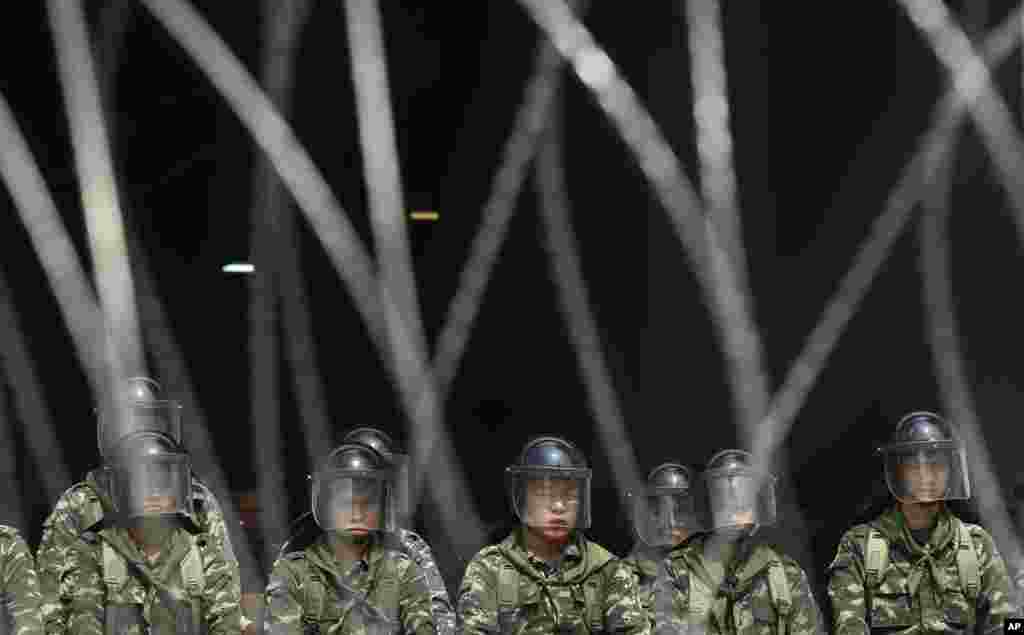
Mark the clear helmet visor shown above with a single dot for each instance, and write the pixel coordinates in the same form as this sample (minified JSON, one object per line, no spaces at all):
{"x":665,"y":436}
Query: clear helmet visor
{"x":737,"y":499}
{"x":665,"y":519}
{"x":348,"y":504}
{"x":927,"y":472}
{"x":552,"y":501}
{"x":152,"y":416}
{"x":152,"y":487}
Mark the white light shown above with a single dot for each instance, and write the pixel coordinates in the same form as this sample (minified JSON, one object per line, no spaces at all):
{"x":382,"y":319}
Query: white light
{"x":238,"y":267}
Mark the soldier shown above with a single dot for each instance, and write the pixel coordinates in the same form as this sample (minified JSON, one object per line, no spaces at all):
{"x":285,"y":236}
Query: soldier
{"x":83,"y":503}
{"x":732,"y":583}
{"x":348,"y":579}
{"x":547,"y":576}
{"x":411,"y":543}
{"x":665,"y":516}
{"x":142,"y":565}
{"x":925,"y":569}
{"x":19,"y":584}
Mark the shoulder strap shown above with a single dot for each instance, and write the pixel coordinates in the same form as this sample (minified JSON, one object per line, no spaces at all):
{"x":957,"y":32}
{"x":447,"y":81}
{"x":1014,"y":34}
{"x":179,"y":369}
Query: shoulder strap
{"x":508,"y":587}
{"x":876,"y":557}
{"x":115,"y":571}
{"x":593,"y":596}
{"x":778,"y":586}
{"x":967,"y":563}
{"x":192,"y":571}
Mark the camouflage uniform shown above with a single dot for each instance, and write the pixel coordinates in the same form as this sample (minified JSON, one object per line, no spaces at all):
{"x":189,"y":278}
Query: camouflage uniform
{"x":592,"y":592}
{"x":419,"y":551}
{"x":77,"y":517}
{"x":661,"y":587}
{"x":920,"y":590}
{"x":734,"y":595}
{"x":308,"y":592}
{"x":19,"y":585}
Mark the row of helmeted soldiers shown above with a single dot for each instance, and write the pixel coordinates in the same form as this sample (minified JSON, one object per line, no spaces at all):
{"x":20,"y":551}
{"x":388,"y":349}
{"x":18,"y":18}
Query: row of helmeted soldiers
{"x":141,"y":547}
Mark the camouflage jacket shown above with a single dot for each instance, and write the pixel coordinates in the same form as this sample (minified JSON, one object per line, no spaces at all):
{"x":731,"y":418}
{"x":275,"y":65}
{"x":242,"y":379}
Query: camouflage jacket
{"x":79,"y":515}
{"x":309,"y":593}
{"x":754,"y":590}
{"x":919,"y":590}
{"x":19,"y":585}
{"x":661,"y":588}
{"x":419,"y":551}
{"x":508,"y":590}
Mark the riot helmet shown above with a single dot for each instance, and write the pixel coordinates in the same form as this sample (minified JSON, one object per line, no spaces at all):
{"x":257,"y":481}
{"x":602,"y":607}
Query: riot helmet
{"x":549,"y":485}
{"x":401,"y":505}
{"x":925,"y":460}
{"x":150,"y":477}
{"x":139,"y":407}
{"x":666,"y":507}
{"x":352,"y":491}
{"x":739,"y":495}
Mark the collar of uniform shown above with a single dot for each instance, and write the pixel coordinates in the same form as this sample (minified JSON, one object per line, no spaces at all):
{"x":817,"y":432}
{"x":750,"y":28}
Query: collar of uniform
{"x":169,"y":556}
{"x":98,"y":506}
{"x":323,"y":556}
{"x":646,"y":562}
{"x":893,"y":526}
{"x":572,"y":553}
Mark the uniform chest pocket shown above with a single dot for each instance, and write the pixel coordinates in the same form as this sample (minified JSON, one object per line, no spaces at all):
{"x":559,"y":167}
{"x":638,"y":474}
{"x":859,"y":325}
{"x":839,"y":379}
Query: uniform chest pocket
{"x":323,"y":606}
{"x":762,"y":610}
{"x":957,"y":611}
{"x":891,"y":605}
{"x":753,"y":614}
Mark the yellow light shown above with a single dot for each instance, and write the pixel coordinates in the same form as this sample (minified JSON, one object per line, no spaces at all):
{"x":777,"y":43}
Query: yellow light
{"x":424,"y":216}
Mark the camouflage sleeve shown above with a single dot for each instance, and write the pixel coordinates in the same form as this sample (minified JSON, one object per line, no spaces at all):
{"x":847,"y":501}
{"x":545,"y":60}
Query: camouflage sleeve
{"x":80,"y":587}
{"x":419,"y":551}
{"x":214,"y":524}
{"x":281,"y":598}
{"x":477,"y":611}
{"x":623,"y":612}
{"x":50,"y":562}
{"x":995,"y":598}
{"x":846,"y":586}
{"x":20,"y":583}
{"x":414,"y":599}
{"x":805,"y":618}
{"x":222,"y":596}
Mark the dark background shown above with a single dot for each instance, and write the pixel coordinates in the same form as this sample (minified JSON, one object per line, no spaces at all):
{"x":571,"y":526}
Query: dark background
{"x":826,"y":108}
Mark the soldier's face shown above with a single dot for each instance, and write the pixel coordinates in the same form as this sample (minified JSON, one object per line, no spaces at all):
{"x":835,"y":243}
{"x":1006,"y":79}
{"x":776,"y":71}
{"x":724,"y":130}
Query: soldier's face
{"x":552,"y":506}
{"x":679,"y":535}
{"x":925,"y":479}
{"x":159,"y":504}
{"x":356,"y":509}
{"x":668,"y":513}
